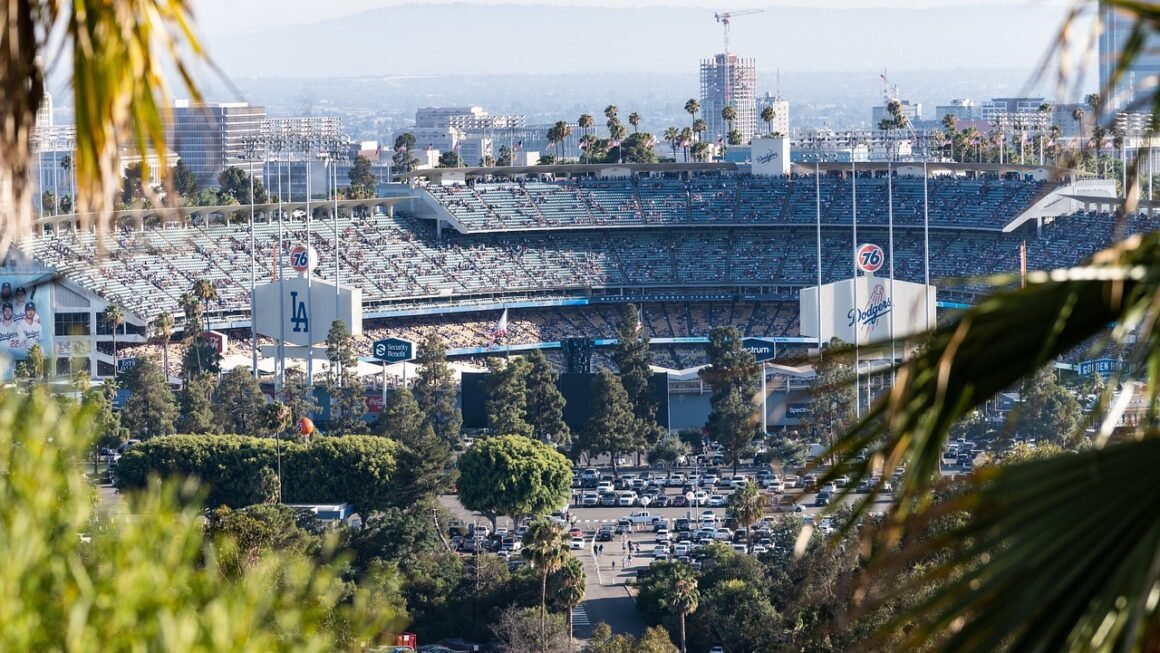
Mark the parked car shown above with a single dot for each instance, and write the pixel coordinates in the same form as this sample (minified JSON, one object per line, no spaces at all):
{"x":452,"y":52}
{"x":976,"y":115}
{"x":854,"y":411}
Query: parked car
{"x":577,"y":543}
{"x":604,"y":534}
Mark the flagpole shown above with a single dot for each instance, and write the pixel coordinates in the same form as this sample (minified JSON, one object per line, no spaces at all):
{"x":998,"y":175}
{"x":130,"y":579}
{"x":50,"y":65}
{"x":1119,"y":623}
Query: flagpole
{"x":281,"y":378}
{"x":854,"y":260}
{"x":926,"y":241}
{"x":307,"y":160}
{"x":253,"y":273}
{"x":818,"y":202}
{"x":890,"y":214}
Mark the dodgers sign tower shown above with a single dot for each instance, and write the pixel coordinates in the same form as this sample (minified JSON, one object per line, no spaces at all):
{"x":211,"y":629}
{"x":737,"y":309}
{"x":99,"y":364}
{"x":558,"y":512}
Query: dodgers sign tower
{"x":867,"y":309}
{"x":299,"y":312}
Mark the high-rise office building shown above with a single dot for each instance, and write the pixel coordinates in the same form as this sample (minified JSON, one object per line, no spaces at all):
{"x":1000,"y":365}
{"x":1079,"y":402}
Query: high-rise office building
{"x":728,"y":80}
{"x":212,"y":137}
{"x":1140,"y":79}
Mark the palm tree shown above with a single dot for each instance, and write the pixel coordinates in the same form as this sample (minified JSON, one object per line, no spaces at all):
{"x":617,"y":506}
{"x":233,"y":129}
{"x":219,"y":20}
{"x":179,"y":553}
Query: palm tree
{"x":554,"y":138}
{"x":66,"y":165}
{"x":747,"y":504}
{"x":163,"y":325}
{"x":672,"y":134}
{"x":191,"y":306}
{"x":585,"y":122}
{"x":571,"y":589}
{"x":116,"y":84}
{"x":686,"y":138}
{"x":563,"y":132}
{"x":699,"y":126}
{"x":205,"y":291}
{"x":729,"y":114}
{"x":546,"y":548}
{"x":692,"y":107}
{"x":684,"y":599}
{"x":611,"y":111}
{"x":634,"y":120}
{"x":767,"y":116}
{"x":114,"y":317}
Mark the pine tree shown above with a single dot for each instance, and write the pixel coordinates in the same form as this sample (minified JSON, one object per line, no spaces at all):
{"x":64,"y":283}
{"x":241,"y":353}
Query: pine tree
{"x":612,"y":428}
{"x":237,"y":403}
{"x":506,"y":404}
{"x":545,"y":402}
{"x":150,"y":408}
{"x":347,"y":404}
{"x":435,"y":389}
{"x":401,"y":418}
{"x":732,"y":374}
{"x":196,"y":407}
{"x":633,"y":358}
{"x":422,"y":470}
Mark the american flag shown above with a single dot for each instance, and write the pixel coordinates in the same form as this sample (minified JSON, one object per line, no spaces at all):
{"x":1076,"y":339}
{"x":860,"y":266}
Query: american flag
{"x":518,"y":145}
{"x":500,"y":330}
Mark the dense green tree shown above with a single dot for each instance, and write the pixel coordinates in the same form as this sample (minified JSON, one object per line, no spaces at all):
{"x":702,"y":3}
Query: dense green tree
{"x":106,"y":423}
{"x":184,"y":180}
{"x":449,"y":159}
{"x":506,"y":403}
{"x":423,"y":461}
{"x":401,"y":418}
{"x":546,"y":548}
{"x":132,"y":193}
{"x":668,"y":451}
{"x":732,"y":375}
{"x":736,"y":614}
{"x":238,"y":402}
{"x":258,"y":531}
{"x":1047,"y":411}
{"x":633,"y":359}
{"x":150,"y":409}
{"x":362,"y":178}
{"x":520,"y":629}
{"x":33,"y":367}
{"x":638,"y":148}
{"x":135,"y":576}
{"x":359,"y":469}
{"x":235,"y":184}
{"x":298,"y":395}
{"x":404,"y":158}
{"x":196,"y":407}
{"x":612,"y":428}
{"x":514,"y":476}
{"x":347,"y":401}
{"x":505,"y":156}
{"x":545,"y":402}
{"x":435,"y":389}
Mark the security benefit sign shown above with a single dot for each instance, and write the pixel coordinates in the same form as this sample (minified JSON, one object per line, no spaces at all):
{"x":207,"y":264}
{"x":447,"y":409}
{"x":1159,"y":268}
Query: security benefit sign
{"x":393,"y":350}
{"x":301,"y":311}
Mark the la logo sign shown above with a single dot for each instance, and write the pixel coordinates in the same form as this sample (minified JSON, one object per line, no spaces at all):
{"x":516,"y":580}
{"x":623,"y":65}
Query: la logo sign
{"x":870,"y":258}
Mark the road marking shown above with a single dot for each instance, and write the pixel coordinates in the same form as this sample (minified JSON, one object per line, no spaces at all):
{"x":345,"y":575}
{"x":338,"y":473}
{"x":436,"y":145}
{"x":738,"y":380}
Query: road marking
{"x":580,"y":616}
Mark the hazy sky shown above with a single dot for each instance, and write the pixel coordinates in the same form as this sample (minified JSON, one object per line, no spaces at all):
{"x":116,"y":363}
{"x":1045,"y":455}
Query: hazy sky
{"x":240,"y":17}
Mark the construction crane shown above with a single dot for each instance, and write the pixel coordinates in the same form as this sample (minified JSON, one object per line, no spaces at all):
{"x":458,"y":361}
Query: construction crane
{"x":725,"y":16}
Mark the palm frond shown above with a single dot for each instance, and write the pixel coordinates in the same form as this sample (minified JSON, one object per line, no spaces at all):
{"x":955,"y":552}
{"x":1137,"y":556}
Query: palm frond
{"x":1002,"y":339}
{"x":1060,"y":554}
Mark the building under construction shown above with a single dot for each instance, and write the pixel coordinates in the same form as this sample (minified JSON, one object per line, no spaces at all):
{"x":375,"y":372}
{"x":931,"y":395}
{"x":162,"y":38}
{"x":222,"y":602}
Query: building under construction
{"x":727,"y":80}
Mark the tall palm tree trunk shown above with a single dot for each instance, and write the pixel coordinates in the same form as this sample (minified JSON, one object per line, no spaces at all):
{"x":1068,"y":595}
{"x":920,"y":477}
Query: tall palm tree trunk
{"x":544,"y":610}
{"x":683,"y":649}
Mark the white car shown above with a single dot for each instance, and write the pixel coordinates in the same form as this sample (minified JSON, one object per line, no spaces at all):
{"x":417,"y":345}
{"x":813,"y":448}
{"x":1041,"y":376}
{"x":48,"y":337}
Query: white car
{"x":723,"y":534}
{"x":681,"y":550}
{"x":708,"y":515}
{"x":604,"y":486}
{"x":662,"y":536}
{"x":717,"y":649}
{"x":661,"y":551}
{"x":627,"y":498}
{"x":577,"y":543}
{"x":718,"y":500}
{"x":759,"y":549}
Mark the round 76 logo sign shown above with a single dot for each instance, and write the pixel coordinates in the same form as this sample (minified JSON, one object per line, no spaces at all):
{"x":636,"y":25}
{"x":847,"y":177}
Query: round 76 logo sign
{"x":870,"y":258}
{"x":300,"y":258}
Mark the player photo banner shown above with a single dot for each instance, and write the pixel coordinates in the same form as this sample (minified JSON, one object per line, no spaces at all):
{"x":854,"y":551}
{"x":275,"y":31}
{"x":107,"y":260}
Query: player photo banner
{"x":25,"y":316}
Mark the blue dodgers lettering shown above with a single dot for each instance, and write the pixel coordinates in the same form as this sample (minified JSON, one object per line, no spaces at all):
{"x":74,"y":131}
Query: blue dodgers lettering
{"x":870,"y":316}
{"x":298,"y":315}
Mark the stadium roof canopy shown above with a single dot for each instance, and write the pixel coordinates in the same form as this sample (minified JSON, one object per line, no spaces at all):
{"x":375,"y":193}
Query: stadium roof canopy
{"x":943,"y":167}
{"x":564,"y":169}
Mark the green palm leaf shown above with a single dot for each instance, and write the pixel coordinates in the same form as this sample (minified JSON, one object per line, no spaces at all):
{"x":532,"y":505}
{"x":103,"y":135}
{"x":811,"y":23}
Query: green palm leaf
{"x":1061,"y":554}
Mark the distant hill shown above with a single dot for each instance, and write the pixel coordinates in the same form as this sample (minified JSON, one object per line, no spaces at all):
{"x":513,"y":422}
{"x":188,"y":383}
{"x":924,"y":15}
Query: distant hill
{"x":421,"y":39}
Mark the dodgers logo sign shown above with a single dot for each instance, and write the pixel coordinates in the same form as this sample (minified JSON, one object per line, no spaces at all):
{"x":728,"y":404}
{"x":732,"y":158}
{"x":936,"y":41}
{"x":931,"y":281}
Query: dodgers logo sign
{"x":866,"y":318}
{"x":300,"y":258}
{"x":299,"y":317}
{"x":870,"y":258}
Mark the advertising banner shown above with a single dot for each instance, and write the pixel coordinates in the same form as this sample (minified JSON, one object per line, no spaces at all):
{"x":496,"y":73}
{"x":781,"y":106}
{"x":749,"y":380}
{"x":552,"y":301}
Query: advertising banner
{"x":25,"y":318}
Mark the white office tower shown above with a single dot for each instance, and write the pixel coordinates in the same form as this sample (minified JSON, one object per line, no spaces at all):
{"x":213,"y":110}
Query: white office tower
{"x":727,"y":80}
